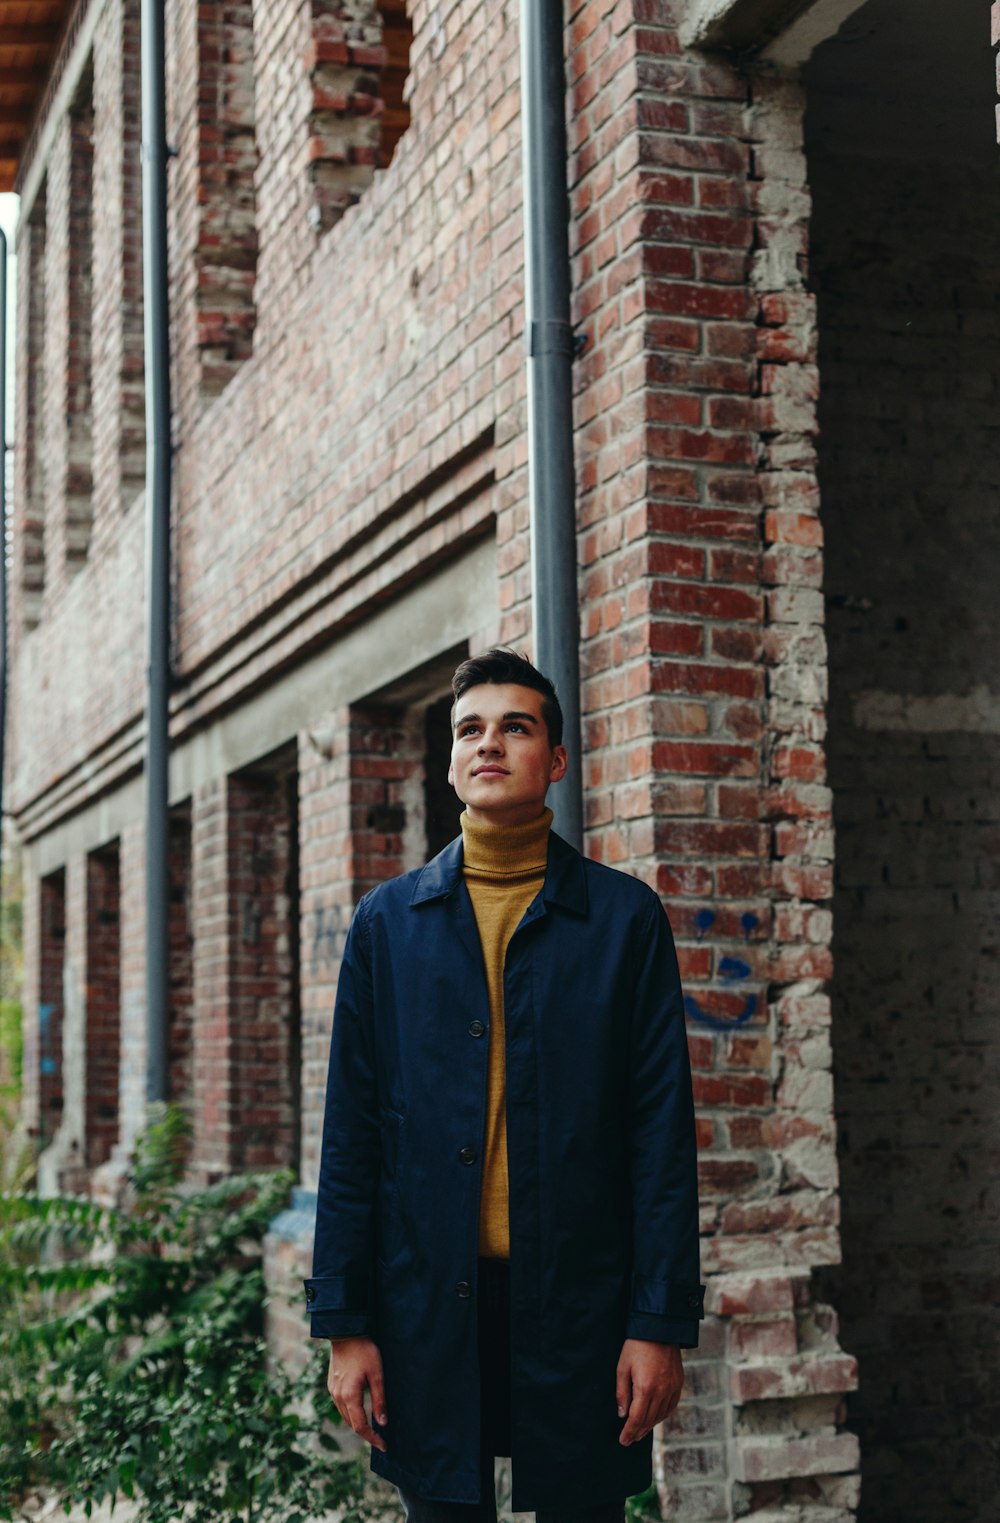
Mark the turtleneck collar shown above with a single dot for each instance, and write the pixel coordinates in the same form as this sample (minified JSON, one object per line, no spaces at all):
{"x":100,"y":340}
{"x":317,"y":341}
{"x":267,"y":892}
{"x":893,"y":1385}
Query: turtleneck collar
{"x":505,"y":851}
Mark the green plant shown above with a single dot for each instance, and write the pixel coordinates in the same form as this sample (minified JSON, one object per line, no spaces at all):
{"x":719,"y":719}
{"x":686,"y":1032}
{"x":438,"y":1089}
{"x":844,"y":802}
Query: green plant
{"x":11,"y":1047}
{"x":643,"y":1507}
{"x":132,"y":1360}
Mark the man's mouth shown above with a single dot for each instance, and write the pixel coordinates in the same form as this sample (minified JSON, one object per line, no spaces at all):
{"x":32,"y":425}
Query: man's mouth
{"x":491,"y":772}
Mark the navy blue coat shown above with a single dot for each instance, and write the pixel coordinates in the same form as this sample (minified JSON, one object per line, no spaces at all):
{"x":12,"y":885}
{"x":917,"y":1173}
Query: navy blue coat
{"x":601,"y":1161}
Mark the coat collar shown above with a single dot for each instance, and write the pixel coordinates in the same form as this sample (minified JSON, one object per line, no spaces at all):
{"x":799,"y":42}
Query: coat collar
{"x":565,"y":876}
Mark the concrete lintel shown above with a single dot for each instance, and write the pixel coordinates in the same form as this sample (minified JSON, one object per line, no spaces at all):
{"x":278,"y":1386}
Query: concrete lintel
{"x":785,"y":32}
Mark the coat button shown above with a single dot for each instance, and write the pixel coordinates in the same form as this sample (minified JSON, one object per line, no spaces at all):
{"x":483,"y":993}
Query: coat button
{"x":310,"y":1293}
{"x":476,"y":1028}
{"x":463,"y":1290}
{"x":466,"y":1155}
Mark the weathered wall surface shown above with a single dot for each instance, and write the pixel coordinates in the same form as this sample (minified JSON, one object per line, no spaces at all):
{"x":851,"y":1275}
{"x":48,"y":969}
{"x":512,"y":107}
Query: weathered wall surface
{"x":909,"y":471}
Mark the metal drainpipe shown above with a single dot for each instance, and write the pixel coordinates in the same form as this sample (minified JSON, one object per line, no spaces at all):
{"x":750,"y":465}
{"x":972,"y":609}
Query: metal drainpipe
{"x":549,"y":338}
{"x":157,"y":353}
{"x":3,"y":526}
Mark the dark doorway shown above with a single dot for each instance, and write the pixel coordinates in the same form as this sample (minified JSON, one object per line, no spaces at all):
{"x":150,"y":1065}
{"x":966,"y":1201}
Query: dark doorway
{"x":265,"y":1052}
{"x":52,"y":950}
{"x":103,"y":1002}
{"x":905,"y":262}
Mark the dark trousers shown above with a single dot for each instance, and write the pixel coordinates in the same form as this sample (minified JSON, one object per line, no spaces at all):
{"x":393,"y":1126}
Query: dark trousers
{"x":494,"y":1378}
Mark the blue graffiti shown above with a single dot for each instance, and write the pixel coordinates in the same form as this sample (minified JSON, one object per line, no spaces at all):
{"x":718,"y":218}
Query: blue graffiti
{"x":732,"y":970}
{"x":719,"y":1022}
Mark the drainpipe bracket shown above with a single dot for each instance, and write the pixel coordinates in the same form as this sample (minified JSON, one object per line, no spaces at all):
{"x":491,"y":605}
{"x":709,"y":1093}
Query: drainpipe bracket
{"x":552,"y":337}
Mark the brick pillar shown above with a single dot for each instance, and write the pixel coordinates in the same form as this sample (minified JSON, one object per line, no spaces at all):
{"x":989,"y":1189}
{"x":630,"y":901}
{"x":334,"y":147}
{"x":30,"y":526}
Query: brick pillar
{"x":181,"y":1036}
{"x":325,"y":906}
{"x":107,"y":1177}
{"x":703,"y":697}
{"x":210,"y":913}
{"x":103,"y":1060}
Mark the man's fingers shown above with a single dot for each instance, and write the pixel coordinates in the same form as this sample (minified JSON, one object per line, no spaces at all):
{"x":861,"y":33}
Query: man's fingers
{"x":623,"y":1389}
{"x":358,"y":1419}
{"x":638,"y":1422}
{"x":376,"y":1385}
{"x":356,"y":1370}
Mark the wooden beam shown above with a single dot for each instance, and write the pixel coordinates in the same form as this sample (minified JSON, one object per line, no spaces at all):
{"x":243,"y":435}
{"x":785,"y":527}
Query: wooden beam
{"x":25,"y":35}
{"x":22,"y":79}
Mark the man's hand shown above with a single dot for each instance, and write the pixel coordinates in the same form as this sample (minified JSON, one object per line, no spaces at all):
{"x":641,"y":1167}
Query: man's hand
{"x":356,"y":1364}
{"x":648,"y":1385}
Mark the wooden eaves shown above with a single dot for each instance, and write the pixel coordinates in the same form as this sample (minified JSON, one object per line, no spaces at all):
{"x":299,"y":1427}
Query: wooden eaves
{"x":29,"y":33}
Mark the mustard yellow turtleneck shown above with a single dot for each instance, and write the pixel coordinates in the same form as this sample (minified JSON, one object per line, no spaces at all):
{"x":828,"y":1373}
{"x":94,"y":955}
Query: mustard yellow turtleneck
{"x":504,"y":868}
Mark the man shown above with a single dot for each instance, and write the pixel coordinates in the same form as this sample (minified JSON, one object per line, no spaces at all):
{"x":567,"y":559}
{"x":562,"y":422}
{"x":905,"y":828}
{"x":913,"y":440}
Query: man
{"x":506,"y":1257}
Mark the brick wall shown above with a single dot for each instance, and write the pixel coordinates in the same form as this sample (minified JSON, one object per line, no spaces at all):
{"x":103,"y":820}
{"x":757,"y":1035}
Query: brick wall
{"x":909,"y":459}
{"x":103,"y":1003}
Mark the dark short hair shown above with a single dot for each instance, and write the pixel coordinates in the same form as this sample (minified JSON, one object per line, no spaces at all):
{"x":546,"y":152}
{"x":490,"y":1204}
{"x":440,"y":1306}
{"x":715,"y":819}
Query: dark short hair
{"x":501,"y":665}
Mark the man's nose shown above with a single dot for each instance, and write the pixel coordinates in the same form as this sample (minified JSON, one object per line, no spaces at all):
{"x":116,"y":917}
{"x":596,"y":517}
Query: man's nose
{"x":491,"y":739}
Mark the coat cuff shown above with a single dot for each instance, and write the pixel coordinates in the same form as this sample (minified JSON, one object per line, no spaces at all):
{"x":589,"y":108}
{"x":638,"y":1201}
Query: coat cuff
{"x":678,"y":1300}
{"x":338,"y":1305}
{"x":341,"y":1324}
{"x":652,"y":1329}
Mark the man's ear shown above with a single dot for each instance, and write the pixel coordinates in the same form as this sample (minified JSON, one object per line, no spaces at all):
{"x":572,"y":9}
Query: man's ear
{"x":560,"y":761}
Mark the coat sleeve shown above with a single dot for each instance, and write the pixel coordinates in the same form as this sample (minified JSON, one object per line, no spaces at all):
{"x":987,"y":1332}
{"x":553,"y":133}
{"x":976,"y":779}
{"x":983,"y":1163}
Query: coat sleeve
{"x":339,"y":1293}
{"x":666,"y":1298}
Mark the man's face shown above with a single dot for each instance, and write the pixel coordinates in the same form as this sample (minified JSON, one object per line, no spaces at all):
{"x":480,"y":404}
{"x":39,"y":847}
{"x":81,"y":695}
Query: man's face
{"x":501,"y":759}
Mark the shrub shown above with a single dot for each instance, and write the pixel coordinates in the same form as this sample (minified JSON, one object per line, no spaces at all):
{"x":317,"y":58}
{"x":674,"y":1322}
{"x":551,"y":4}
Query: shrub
{"x":132,"y":1360}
